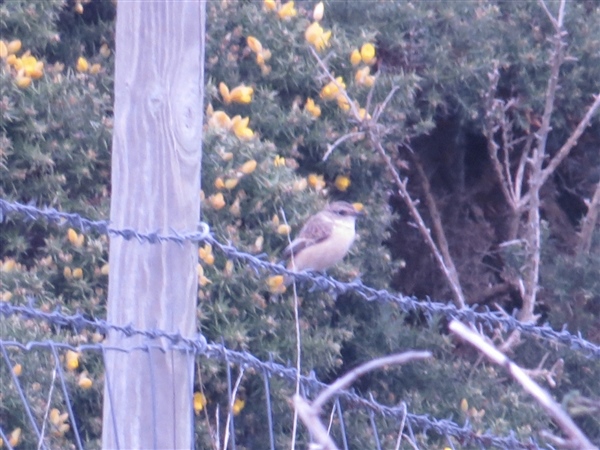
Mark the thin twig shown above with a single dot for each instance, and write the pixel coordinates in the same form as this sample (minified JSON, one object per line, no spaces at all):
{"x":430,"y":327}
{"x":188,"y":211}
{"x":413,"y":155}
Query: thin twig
{"x":401,"y":429}
{"x":436,"y":218}
{"x":47,"y":408}
{"x":332,"y":147}
{"x":533,"y":236}
{"x":298,"y":335}
{"x":324,"y":67}
{"x":589,"y":223}
{"x":448,"y":271}
{"x":231,"y":404}
{"x":310,"y":413}
{"x":343,"y":382}
{"x":554,"y":410}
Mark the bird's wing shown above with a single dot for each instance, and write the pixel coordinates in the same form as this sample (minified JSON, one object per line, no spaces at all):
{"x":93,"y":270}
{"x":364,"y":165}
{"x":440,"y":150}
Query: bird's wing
{"x":314,"y":231}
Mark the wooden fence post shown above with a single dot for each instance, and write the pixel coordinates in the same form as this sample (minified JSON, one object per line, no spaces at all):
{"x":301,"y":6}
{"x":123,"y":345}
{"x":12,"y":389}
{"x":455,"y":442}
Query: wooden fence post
{"x":156,"y":158}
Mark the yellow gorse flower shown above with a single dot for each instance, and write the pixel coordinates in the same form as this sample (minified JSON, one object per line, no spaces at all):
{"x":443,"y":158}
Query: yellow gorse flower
{"x":58,"y":422}
{"x":240,"y":128}
{"x":220,"y":119}
{"x":363,"y":114}
{"x":240,"y":94}
{"x":312,"y":108}
{"x":84,"y":381}
{"x":9,"y":265}
{"x":317,"y":37}
{"x":316,"y":181}
{"x":72,"y":360}
{"x":231,"y":183}
{"x":342,"y":183}
{"x":238,"y":405}
{"x":82,"y":64}
{"x":276,"y":284}
{"x":217,"y":201}
{"x":202,"y":280}
{"x":355,"y":57}
{"x":23,"y":81}
{"x":331,"y":90}
{"x":13,"y":46}
{"x":270,"y":5}
{"x":359,"y":207}
{"x":75,"y":239}
{"x":95,"y":69}
{"x":279,"y":161}
{"x":199,"y":402}
{"x":287,"y":11}
{"x":254,"y":44}
{"x":206,"y":254}
{"x":248,"y":167}
{"x":262,"y":54}
{"x":343,"y":102}
{"x":31,"y":67}
{"x":219,"y":183}
{"x":363,"y":77}
{"x":78,"y":273}
{"x":14,"y":438}
{"x":104,"y":50}
{"x":284,"y":229}
{"x":17,"y":369}
{"x":367,"y":53}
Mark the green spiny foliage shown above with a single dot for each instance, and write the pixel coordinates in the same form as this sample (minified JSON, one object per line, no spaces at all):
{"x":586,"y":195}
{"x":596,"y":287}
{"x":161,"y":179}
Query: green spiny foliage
{"x":261,"y":175}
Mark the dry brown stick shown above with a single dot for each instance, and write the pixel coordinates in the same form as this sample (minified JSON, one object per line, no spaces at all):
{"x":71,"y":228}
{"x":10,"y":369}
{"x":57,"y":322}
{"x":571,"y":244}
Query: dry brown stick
{"x":489,"y":130}
{"x":554,"y":410}
{"x":589,"y":223}
{"x":448,"y":271}
{"x":564,"y":151}
{"x":445,"y":264}
{"x":436,"y":218}
{"x":309,"y":413}
{"x":533,"y":232}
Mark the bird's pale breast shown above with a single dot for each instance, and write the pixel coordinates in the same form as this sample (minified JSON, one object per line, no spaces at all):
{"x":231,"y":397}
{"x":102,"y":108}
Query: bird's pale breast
{"x":325,"y":254}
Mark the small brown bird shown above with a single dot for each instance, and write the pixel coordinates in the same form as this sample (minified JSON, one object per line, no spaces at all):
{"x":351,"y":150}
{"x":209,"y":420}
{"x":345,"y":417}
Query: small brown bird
{"x":325,"y":238}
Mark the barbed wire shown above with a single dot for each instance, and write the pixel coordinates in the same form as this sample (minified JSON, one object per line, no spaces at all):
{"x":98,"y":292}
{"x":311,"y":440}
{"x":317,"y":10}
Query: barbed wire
{"x":199,"y":346}
{"x":315,"y":282}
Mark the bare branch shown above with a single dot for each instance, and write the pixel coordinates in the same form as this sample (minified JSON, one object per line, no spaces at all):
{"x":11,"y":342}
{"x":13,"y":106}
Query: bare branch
{"x":332,"y":147}
{"x":489,"y":130}
{"x":438,"y":229}
{"x":236,"y":386}
{"x":548,"y":13}
{"x":310,"y":417}
{"x":448,"y":271}
{"x":589,"y":223}
{"x":346,"y":380}
{"x":353,"y":107}
{"x":443,"y":258}
{"x":554,"y":410}
{"x":533,"y":232}
{"x":309,"y":414}
{"x":380,"y":108}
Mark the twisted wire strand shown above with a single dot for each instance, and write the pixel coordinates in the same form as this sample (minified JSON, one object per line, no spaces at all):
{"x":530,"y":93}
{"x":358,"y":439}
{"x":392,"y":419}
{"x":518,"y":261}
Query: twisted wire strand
{"x":314,"y":282}
{"x":200,"y":347}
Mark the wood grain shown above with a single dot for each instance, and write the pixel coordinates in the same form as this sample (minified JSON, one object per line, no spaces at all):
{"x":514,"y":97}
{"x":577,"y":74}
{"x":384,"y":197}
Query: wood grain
{"x":155,"y":186}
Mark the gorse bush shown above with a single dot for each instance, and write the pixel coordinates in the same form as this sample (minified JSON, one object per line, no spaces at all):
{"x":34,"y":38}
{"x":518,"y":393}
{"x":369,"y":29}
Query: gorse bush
{"x":290,"y":90}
